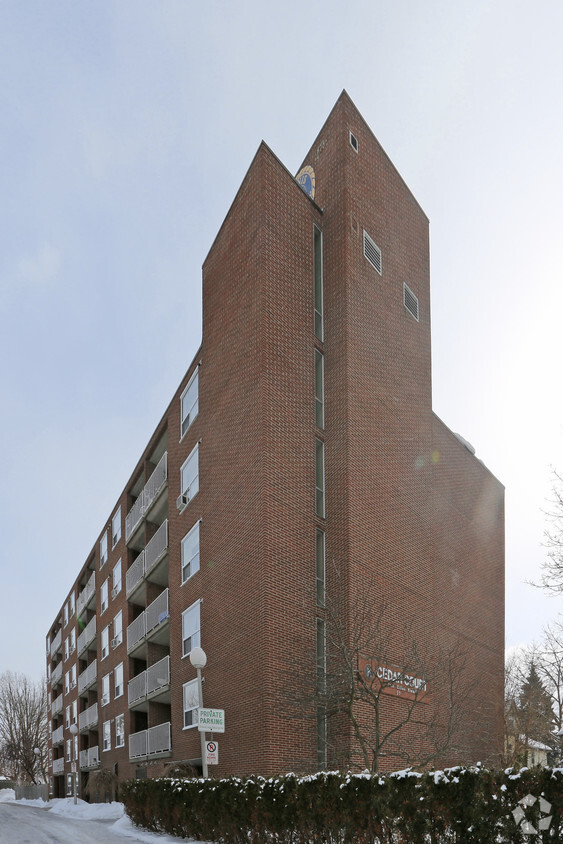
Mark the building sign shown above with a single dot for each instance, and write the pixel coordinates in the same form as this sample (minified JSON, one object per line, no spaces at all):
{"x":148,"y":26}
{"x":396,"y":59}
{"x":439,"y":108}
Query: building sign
{"x":391,"y":680}
{"x":211,"y":720}
{"x":306,"y":178}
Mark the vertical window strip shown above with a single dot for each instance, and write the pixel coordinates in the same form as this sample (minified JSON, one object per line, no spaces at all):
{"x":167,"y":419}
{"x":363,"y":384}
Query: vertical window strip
{"x":320,"y":478}
{"x":321,"y":569}
{"x":318,"y":274}
{"x":319,"y":389}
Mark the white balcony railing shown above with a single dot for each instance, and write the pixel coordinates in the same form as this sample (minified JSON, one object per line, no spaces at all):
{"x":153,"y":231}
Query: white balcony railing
{"x":157,"y":547}
{"x":58,"y":736}
{"x":85,"y":596}
{"x":157,"y":612}
{"x":57,"y":705}
{"x":57,"y":674}
{"x":149,"y":742}
{"x":158,"y":675}
{"x":56,"y":643}
{"x":135,"y":573}
{"x":88,"y":676}
{"x":148,"y":494}
{"x":87,"y":636}
{"x":137,"y":688}
{"x":88,"y":718}
{"x":136,"y":631}
{"x":90,"y":758}
{"x":58,"y":766}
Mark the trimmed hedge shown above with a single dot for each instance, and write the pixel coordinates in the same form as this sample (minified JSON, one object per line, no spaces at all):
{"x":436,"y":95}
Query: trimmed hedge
{"x":465,"y":805}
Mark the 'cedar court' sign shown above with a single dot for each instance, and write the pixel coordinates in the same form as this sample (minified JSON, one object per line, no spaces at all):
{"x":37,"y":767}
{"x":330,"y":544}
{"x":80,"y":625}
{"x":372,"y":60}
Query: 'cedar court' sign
{"x":392,"y":681}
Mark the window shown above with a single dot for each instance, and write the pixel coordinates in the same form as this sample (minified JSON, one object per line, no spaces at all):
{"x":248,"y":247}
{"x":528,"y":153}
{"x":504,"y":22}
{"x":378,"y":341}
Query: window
{"x":320,"y":478}
{"x":73,"y":640}
{"x":117,"y":630}
{"x":105,"y":690}
{"x":190,"y":628}
{"x":353,"y":142}
{"x":116,"y":589}
{"x":67,"y":682}
{"x":105,"y":642}
{"x":321,"y":568}
{"x":190,"y":553}
{"x":69,"y":750}
{"x":120,"y":730}
{"x":67,"y":716}
{"x":73,"y":677}
{"x":107,"y":735}
{"x":189,"y":475}
{"x":118,"y":679}
{"x":116,"y":527}
{"x":65,"y":615}
{"x":72,"y":604}
{"x":75,"y":747}
{"x":103,"y":549}
{"x":321,"y":655}
{"x":318,"y":274}
{"x":191,"y":700}
{"x":372,"y":252}
{"x":74,"y":711}
{"x":319,"y":389}
{"x":67,"y":649}
{"x":104,"y":597}
{"x":189,"y":404}
{"x":69,"y":785}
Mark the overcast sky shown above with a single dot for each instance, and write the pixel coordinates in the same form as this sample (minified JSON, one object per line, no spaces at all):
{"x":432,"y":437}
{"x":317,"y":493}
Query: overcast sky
{"x":125,"y":131}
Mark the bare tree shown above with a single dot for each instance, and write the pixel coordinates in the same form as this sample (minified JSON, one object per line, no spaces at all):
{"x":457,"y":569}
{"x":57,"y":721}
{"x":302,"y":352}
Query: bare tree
{"x":23,"y":727}
{"x":552,"y":576}
{"x":549,"y":661}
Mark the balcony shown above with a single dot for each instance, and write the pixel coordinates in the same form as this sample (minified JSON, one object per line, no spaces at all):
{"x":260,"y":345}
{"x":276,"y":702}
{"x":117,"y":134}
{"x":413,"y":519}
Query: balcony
{"x":88,"y":677}
{"x":88,"y":718}
{"x":146,"y":566}
{"x":90,"y":758}
{"x":152,"y":742}
{"x":151,"y":624}
{"x":87,"y":636}
{"x":58,"y":766}
{"x":88,"y":593}
{"x":147,"y":497}
{"x":152,"y":683}
{"x":57,"y":705}
{"x":57,"y":675}
{"x":58,"y":736}
{"x":56,"y":643}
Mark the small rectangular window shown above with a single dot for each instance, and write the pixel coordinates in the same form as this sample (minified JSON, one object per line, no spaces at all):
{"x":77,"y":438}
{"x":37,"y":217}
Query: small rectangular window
{"x":321,"y":568}
{"x":105,"y":642}
{"x":104,"y":596}
{"x":103,"y":549}
{"x":118,"y":679}
{"x":190,"y":553}
{"x":105,"y":690}
{"x":318,"y":282}
{"x":116,"y":527}
{"x":119,"y":730}
{"x":189,"y":475}
{"x":320,"y":478}
{"x":116,"y":588}
{"x":117,"y":630}
{"x":191,"y":701}
{"x":191,"y":628}
{"x":353,"y":142}
{"x":319,"y":390}
{"x":189,"y":404}
{"x":372,"y":252}
{"x":107,"y":735}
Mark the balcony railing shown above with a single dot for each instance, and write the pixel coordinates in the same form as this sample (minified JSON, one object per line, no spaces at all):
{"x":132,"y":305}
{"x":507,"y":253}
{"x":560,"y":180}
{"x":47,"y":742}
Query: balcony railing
{"x":156,"y":677}
{"x":148,"y":494}
{"x":57,"y":705}
{"x":156,"y":548}
{"x":58,"y":766}
{"x":85,"y":596}
{"x":87,"y":636}
{"x":58,"y":736}
{"x":88,"y":677}
{"x":88,"y":718}
{"x":155,"y":614}
{"x":90,"y":758}
{"x":135,"y":573}
{"x":149,"y":742}
{"x":56,"y":643}
{"x":57,"y":674}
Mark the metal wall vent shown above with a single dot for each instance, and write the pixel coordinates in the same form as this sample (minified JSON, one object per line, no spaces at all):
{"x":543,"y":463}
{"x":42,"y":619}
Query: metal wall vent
{"x":410,"y":301}
{"x":372,"y":252}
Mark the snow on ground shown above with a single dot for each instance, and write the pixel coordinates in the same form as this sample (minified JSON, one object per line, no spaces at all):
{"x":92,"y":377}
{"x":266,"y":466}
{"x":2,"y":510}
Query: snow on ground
{"x":96,"y":812}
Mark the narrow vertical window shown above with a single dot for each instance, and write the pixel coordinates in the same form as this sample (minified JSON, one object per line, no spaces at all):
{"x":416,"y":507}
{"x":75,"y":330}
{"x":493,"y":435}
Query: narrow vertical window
{"x":321,"y":568}
{"x":190,"y":553}
{"x":318,"y":268}
{"x":321,"y":690}
{"x":321,"y":655}
{"x":320,"y":478}
{"x":319,"y":389}
{"x":189,"y":404}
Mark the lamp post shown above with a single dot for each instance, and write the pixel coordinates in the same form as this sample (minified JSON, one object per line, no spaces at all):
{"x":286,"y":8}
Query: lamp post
{"x":74,"y":731}
{"x":198,"y":659}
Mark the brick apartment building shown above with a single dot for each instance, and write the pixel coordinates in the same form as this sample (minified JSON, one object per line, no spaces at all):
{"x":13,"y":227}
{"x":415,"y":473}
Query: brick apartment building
{"x":298,"y":462}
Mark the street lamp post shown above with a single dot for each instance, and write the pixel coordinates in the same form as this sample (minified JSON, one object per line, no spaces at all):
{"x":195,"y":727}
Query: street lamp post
{"x":74,"y":731}
{"x":198,"y":659}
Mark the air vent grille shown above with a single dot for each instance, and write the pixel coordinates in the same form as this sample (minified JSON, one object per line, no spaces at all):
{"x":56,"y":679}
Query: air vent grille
{"x":372,"y":252}
{"x":410,"y":301}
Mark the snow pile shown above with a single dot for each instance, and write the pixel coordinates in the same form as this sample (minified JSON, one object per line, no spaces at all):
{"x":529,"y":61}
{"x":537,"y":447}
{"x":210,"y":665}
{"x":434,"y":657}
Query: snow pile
{"x":7,"y":795}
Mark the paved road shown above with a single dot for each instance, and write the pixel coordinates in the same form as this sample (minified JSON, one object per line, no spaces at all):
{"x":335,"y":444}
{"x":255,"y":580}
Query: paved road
{"x":27,"y":825}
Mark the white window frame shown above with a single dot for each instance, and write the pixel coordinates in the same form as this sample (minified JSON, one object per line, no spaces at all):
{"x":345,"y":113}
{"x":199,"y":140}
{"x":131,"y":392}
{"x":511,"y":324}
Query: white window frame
{"x":116,"y":579}
{"x":118,"y":680}
{"x":68,"y":750}
{"x":67,"y":716}
{"x":194,"y":637}
{"x":190,"y":698}
{"x":191,"y":564}
{"x":74,"y":711}
{"x":72,"y":604}
{"x":116,"y":527}
{"x":120,"y":730}
{"x":67,"y":682}
{"x":66,"y":648}
{"x":73,"y":676}
{"x":187,"y":417}
{"x":117,"y":629}
{"x":104,"y":548}
{"x":104,"y":595}
{"x":72,"y":647}
{"x":106,"y":690}
{"x":104,"y":643}
{"x":65,"y":614}
{"x":190,"y":486}
{"x":106,"y":735}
